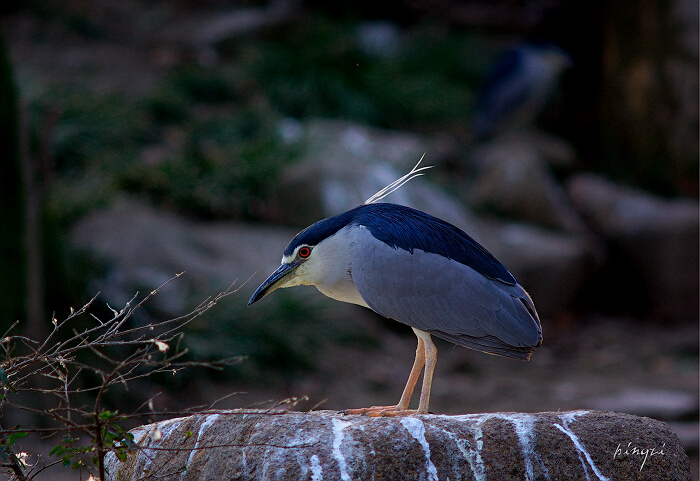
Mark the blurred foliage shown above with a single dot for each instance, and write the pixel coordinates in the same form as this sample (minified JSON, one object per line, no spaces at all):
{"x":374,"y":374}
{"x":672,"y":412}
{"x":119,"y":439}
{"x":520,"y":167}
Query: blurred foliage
{"x":214,"y":161}
{"x":184,"y":86}
{"x":95,"y":132}
{"x":206,"y":140}
{"x":69,"y":14}
{"x":224,"y":167}
{"x":316,"y":68}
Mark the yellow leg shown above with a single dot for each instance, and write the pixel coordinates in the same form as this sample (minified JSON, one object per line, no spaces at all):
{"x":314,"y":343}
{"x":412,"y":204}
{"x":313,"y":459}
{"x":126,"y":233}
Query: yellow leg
{"x":418,"y":364}
{"x":426,"y":356}
{"x":430,"y":361}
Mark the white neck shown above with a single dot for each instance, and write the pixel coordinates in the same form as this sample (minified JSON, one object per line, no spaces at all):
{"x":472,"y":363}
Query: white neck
{"x":329,"y":267}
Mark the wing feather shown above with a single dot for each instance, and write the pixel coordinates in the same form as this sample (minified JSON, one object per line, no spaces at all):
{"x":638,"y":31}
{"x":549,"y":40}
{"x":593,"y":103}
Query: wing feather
{"x":445,"y":298}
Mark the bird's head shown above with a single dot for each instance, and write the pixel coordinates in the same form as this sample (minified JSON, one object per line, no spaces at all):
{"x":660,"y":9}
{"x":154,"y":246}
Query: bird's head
{"x":319,"y":254}
{"x":292,"y":272}
{"x":309,"y":258}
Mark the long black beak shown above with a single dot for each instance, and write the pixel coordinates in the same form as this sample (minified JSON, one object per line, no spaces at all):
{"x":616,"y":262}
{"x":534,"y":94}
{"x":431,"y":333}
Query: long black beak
{"x":273,"y":281}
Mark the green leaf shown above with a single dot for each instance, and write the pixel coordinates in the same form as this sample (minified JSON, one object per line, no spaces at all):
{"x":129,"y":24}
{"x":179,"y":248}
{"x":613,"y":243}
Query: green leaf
{"x":106,"y":415}
{"x":57,"y":451}
{"x":15,"y":436}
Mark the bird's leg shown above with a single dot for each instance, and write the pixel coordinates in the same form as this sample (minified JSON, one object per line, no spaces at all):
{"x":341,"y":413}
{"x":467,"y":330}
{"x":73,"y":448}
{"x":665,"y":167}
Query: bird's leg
{"x":418,"y":364}
{"x":430,"y":361}
{"x":426,"y":356}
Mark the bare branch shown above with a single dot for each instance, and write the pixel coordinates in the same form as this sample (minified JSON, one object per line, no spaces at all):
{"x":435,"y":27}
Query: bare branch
{"x":117,"y":354}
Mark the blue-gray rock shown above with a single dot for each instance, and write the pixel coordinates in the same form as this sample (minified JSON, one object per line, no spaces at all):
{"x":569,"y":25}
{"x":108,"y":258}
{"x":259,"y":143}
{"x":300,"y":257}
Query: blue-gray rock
{"x":324,"y":445}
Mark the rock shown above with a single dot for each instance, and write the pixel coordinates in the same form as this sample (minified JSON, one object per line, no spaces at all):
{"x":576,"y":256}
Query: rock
{"x":143,"y":247}
{"x":514,"y":179}
{"x":209,"y":29}
{"x":344,"y":164}
{"x":379,"y":38}
{"x":266,"y":445}
{"x":554,"y":151}
{"x":657,"y":238}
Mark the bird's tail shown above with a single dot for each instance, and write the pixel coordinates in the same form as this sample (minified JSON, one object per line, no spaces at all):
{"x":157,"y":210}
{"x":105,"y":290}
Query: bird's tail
{"x":487,"y":344}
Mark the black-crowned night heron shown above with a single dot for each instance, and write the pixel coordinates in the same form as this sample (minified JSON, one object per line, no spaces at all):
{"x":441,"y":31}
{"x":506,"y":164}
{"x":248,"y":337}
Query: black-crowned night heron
{"x":417,"y":269}
{"x":517,"y":88}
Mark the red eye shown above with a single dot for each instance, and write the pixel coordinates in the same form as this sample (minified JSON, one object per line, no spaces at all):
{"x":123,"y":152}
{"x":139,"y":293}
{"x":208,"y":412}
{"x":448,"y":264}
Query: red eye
{"x":304,"y":252}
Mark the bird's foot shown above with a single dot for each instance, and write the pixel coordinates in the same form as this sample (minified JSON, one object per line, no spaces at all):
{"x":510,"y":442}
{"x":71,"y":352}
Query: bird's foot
{"x":382,"y":411}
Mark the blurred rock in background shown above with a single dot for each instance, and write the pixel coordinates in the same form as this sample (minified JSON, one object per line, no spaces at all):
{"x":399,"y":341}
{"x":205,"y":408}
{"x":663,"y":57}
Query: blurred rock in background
{"x":653,"y":255}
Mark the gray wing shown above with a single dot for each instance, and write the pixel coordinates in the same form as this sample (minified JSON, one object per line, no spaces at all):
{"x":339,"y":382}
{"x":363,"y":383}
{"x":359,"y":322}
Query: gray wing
{"x":445,"y":298}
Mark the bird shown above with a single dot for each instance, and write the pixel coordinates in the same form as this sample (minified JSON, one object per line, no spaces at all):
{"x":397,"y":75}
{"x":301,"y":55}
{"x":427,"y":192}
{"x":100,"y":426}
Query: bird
{"x":517,"y":88}
{"x":419,"y":270}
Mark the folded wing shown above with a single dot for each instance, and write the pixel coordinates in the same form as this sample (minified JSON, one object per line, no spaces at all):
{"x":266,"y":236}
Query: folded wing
{"x":445,"y":298}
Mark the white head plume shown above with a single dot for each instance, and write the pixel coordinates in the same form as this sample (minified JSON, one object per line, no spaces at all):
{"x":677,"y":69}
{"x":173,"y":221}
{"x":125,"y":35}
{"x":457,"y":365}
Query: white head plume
{"x":398,"y":183}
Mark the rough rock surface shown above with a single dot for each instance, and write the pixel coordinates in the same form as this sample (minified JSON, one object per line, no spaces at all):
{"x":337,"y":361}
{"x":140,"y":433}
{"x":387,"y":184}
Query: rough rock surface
{"x":258,"y":445}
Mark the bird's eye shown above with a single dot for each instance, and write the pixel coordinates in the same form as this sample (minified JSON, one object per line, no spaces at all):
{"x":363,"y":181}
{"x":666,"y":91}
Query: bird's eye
{"x":304,"y":252}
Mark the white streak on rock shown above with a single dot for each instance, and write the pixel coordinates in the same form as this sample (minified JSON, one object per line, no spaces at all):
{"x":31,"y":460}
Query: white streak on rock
{"x":473,"y":453}
{"x":338,"y":436}
{"x":566,"y":419}
{"x":470,"y":454}
{"x":524,"y":425}
{"x":202,"y":429}
{"x":316,"y":469}
{"x":146,"y":455}
{"x":474,"y":458}
{"x":416,"y":428}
